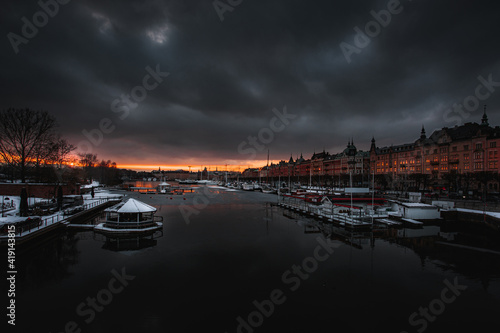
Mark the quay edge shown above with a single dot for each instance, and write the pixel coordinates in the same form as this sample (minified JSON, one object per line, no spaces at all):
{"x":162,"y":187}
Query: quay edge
{"x":46,"y":231}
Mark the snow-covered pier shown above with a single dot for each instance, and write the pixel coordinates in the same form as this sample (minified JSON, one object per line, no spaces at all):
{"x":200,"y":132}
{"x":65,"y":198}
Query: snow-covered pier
{"x":28,"y":228}
{"x":344,"y":218}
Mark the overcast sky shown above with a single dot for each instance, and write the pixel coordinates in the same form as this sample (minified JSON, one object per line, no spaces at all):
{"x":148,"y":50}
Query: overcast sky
{"x":230,"y":67}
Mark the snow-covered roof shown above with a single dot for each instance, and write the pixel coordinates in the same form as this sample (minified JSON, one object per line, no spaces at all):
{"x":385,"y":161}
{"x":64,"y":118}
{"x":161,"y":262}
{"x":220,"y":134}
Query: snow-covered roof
{"x":135,"y":206}
{"x":416,"y":205}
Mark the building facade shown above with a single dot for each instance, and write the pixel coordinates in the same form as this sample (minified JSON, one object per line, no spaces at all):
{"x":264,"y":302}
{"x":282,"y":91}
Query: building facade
{"x":460,"y":159}
{"x":323,"y":168}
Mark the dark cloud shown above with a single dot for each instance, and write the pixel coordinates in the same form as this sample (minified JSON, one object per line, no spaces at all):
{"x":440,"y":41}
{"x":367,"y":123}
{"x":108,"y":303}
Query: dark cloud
{"x":226,"y":77}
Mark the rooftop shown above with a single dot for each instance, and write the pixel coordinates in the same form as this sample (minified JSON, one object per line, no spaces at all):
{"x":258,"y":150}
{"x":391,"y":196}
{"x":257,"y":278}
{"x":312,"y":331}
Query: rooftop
{"x":132,"y":206}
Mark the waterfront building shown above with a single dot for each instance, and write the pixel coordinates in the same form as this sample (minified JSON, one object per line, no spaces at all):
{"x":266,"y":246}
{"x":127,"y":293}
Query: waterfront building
{"x":458,"y":159}
{"x":324,"y":168}
{"x":461,"y":158}
{"x":252,"y":173}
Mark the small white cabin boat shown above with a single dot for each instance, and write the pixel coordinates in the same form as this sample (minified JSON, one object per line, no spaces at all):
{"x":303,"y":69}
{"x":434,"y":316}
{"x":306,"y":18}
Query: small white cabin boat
{"x":130,"y":217}
{"x":247,"y":187}
{"x":413,"y":210}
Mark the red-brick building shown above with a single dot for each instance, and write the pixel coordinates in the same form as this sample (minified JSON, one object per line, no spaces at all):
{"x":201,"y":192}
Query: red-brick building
{"x":46,"y":191}
{"x":460,"y":158}
{"x":323,"y":168}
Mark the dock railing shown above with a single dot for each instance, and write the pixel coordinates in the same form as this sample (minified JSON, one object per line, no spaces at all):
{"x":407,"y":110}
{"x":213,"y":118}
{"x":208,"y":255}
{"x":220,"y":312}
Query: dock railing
{"x":56,"y":218}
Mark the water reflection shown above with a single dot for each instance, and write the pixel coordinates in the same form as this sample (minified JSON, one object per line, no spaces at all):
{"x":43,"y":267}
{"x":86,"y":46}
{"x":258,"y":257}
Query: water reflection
{"x":129,"y":243}
{"x":436,"y":244}
{"x":49,"y":260}
{"x":203,"y":275}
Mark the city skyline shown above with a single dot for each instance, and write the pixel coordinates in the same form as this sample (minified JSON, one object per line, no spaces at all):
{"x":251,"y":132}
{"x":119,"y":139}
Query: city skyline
{"x":175,"y":84}
{"x":306,"y":157}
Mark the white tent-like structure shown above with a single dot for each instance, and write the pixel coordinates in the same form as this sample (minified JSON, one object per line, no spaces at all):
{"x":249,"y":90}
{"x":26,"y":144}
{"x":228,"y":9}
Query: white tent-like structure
{"x":131,"y":214}
{"x":162,"y":188}
{"x":135,"y":206}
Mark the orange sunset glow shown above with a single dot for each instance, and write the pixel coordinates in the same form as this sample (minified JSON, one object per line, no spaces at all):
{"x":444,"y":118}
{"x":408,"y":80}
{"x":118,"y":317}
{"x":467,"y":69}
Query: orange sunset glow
{"x":210,"y":167}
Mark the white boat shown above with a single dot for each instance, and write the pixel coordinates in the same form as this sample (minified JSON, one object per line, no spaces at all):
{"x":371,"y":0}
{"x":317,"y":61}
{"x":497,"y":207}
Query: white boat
{"x":247,"y":187}
{"x":414,"y":210}
{"x":188,"y":181}
{"x":207,"y":182}
{"x":269,"y":190}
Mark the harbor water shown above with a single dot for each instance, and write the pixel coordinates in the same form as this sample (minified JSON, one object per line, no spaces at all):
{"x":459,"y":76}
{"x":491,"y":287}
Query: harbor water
{"x":231,"y":261}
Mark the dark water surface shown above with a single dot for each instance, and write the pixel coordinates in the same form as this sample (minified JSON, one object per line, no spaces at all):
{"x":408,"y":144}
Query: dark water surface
{"x":231,"y":249}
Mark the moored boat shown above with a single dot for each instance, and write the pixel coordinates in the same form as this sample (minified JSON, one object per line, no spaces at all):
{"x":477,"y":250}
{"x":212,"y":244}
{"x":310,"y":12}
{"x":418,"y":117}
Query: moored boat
{"x":247,"y":187}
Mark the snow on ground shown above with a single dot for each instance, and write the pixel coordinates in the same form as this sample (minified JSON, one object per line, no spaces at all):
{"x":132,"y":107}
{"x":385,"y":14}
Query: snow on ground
{"x":14,"y":201}
{"x":10,"y":220}
{"x":46,"y":221}
{"x":94,"y":184}
{"x":99,"y":194}
{"x":11,"y":206}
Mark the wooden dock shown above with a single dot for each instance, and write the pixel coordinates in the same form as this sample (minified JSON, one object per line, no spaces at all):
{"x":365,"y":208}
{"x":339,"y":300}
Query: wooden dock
{"x":342,"y":219}
{"x":81,"y":226}
{"x":154,"y":190}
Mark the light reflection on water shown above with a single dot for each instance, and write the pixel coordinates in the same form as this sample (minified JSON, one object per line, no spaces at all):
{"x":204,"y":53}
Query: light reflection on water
{"x":205,"y":274}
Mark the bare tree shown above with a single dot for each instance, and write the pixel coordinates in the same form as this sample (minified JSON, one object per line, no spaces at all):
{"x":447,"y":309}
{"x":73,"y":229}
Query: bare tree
{"x":60,"y":152}
{"x":60,"y":156}
{"x":23,"y":132}
{"x":88,"y":161}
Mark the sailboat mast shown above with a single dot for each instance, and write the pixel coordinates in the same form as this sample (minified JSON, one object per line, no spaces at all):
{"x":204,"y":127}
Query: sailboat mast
{"x":310,"y":175}
{"x":373,"y":194}
{"x":267,"y":174}
{"x":350,"y":184}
